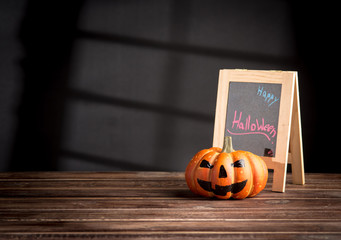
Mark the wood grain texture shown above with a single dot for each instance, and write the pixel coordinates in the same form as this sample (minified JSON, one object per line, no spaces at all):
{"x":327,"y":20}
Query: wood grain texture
{"x":295,"y":145}
{"x":154,"y":205}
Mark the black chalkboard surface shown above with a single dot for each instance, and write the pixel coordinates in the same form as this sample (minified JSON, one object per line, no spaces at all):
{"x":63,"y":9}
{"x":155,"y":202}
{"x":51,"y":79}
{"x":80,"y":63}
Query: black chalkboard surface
{"x":252,"y":116}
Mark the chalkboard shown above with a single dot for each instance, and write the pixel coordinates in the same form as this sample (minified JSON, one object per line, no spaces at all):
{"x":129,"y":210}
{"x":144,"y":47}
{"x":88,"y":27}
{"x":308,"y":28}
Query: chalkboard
{"x":252,"y":116}
{"x":260,"y":110}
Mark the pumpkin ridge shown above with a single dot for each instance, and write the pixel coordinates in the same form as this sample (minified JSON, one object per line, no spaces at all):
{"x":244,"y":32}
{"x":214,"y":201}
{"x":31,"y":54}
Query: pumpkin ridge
{"x":192,"y":166}
{"x":253,"y":170}
{"x":204,"y":173}
{"x":210,"y":172}
{"x":260,"y":175}
{"x":243,"y":175}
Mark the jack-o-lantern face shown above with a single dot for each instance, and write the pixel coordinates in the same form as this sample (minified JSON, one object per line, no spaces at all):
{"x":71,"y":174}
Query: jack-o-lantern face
{"x":237,"y":174}
{"x":218,"y":189}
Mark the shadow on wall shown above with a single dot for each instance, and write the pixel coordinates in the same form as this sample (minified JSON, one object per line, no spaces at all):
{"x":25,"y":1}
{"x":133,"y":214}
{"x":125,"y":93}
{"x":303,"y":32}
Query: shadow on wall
{"x":48,"y":35}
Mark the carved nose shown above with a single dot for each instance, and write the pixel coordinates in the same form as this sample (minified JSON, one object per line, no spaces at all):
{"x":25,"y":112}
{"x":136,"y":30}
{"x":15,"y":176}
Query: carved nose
{"x":222,"y":172}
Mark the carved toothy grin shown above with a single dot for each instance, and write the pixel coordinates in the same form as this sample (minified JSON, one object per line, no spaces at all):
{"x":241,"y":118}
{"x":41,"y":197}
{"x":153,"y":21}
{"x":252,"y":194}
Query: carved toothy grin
{"x":222,"y":190}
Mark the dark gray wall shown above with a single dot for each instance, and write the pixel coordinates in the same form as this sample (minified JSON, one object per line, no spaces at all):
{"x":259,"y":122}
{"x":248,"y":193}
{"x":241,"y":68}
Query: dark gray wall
{"x":131,"y":85}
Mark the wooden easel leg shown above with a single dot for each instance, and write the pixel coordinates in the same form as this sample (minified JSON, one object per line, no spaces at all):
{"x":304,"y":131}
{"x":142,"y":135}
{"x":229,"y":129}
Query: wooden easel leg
{"x":280,"y":175}
{"x":295,"y":144}
{"x":297,"y":166}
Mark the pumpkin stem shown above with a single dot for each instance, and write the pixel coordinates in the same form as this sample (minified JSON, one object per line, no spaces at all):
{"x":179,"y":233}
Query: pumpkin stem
{"x":227,"y":148}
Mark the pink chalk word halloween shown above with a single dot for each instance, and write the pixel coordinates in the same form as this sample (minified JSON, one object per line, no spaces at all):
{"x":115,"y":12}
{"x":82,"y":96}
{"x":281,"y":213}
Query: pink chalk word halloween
{"x":251,"y":125}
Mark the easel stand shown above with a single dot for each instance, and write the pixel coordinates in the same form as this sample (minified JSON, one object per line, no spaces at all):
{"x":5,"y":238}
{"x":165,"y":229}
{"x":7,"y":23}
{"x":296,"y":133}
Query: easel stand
{"x":289,"y":140}
{"x":294,"y":154}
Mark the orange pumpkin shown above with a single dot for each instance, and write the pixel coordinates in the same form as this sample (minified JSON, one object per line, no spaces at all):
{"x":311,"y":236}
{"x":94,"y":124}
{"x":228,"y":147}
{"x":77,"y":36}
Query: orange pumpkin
{"x":226,"y":173}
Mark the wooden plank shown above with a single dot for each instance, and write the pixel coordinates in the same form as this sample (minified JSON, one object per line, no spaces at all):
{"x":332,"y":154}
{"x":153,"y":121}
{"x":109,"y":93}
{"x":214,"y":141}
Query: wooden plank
{"x":185,"y":194}
{"x":172,"y":235}
{"x":284,"y":124}
{"x":91,"y":175}
{"x":95,"y":184}
{"x":290,"y":225}
{"x":131,"y":182}
{"x":131,"y":185}
{"x":154,"y":181}
{"x":75,"y":176}
{"x":164,"y":194}
{"x":126,"y":215}
{"x":185,"y":204}
{"x":221,"y":106}
{"x":295,"y":145}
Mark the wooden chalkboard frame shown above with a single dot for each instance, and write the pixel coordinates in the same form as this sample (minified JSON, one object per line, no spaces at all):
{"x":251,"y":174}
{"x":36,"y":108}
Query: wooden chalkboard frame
{"x":289,"y":139}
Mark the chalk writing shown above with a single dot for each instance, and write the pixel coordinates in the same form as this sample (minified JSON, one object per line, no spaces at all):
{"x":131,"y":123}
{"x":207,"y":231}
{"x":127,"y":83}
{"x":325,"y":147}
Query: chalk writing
{"x":268,"y":96}
{"x":252,"y":116}
{"x":251,"y":125}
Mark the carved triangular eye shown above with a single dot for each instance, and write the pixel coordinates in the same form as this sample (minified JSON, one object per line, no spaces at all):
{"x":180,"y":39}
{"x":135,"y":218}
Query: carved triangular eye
{"x":222,"y":172}
{"x":239,"y":163}
{"x":206,"y":164}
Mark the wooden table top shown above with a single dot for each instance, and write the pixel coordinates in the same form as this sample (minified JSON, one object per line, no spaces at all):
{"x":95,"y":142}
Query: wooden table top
{"x":152,"y":205}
